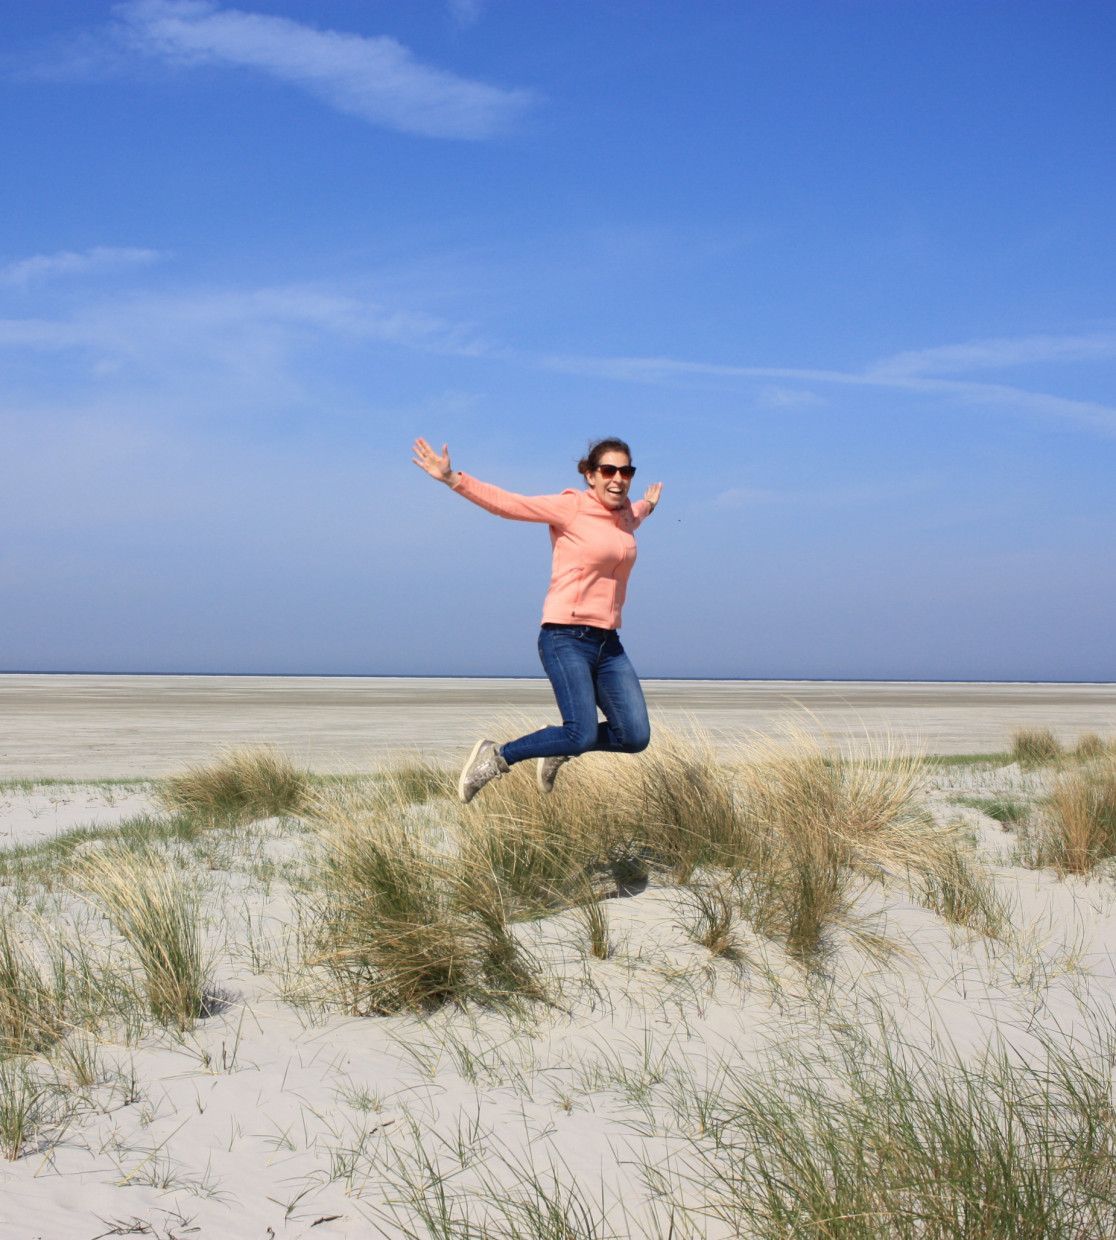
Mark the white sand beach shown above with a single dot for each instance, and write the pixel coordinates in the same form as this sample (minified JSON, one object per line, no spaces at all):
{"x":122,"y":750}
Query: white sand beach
{"x":95,"y":727}
{"x":608,"y":1107}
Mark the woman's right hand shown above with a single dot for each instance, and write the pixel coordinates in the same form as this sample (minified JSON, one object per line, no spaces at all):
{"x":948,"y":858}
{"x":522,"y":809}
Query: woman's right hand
{"x":436,"y":464}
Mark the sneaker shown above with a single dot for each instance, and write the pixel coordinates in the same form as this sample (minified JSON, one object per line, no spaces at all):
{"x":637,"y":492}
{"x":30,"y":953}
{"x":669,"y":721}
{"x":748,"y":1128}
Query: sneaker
{"x":547,"y":771}
{"x":485,"y":764}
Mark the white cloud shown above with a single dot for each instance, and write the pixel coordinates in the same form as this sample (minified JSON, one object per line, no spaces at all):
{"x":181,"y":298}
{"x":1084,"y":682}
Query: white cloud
{"x":373,"y":77}
{"x":101,"y":258}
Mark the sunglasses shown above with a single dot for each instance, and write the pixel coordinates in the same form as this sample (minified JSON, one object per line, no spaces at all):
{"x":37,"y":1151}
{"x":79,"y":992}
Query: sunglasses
{"x":627,"y":472}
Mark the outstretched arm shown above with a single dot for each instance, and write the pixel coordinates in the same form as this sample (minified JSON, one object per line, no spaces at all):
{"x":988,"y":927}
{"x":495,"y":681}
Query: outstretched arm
{"x":553,"y":509}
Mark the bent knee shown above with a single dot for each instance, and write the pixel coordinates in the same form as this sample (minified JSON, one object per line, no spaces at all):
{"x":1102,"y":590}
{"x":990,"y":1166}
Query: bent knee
{"x":581,"y":740}
{"x":638,"y":741}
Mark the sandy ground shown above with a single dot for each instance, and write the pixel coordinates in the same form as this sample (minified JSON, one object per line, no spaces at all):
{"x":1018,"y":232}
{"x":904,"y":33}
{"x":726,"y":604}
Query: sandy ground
{"x":87,"y":727}
{"x":30,"y":815}
{"x":271,"y":1120}
{"x":266,"y":1120}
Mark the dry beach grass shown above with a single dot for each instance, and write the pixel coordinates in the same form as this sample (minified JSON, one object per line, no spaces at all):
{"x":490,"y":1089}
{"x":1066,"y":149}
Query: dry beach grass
{"x":794,"y":994}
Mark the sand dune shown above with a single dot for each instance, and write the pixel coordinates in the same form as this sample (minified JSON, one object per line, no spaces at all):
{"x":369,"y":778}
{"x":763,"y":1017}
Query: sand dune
{"x":608,"y":1109}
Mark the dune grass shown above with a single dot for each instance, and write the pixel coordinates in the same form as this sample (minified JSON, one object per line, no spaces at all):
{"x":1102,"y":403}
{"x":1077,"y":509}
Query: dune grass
{"x":670,"y":809}
{"x":51,"y":861}
{"x":679,"y":802}
{"x":796,"y":871}
{"x":859,"y":1135}
{"x":58,"y":985}
{"x":397,"y":923}
{"x":382,"y":925}
{"x":592,"y":913}
{"x":130,"y":783}
{"x":412,"y":898}
{"x":510,"y":1195}
{"x":241,"y":785}
{"x":1006,"y":810}
{"x":1035,"y":747}
{"x":539,"y":849}
{"x":782,"y":839}
{"x":412,"y":905}
{"x":31,"y":1009}
{"x":28,"y":1106}
{"x":812,"y":826}
{"x":157,"y":911}
{"x":416,"y":781}
{"x":408,"y":913}
{"x":1089,"y":746}
{"x":413,"y":911}
{"x":711,"y":913}
{"x":1076,"y":826}
{"x":877,"y":1139}
{"x":674,"y":811}
{"x":959,"y":889}
{"x":993,"y":759}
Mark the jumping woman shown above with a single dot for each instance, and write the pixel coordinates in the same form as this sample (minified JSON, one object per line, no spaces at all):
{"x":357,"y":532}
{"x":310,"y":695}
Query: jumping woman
{"x":593,"y":536}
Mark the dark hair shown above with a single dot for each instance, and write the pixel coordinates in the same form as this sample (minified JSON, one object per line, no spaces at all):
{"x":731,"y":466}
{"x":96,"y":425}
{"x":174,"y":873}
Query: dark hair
{"x":596,"y":450}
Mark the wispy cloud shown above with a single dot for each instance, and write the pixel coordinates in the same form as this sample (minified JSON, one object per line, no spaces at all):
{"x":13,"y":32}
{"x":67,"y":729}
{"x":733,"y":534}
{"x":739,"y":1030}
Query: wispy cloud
{"x":919,"y":371}
{"x":466,"y":12}
{"x":125,"y":323}
{"x":253,"y":336}
{"x":747,"y":497}
{"x":102,"y":258}
{"x":826,"y":497}
{"x":775,"y":397}
{"x":259,"y":348}
{"x":999,"y":353}
{"x":373,"y":77}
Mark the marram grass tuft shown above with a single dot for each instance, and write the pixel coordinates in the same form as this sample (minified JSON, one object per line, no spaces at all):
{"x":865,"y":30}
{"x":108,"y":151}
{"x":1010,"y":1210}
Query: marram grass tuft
{"x":240,"y":785}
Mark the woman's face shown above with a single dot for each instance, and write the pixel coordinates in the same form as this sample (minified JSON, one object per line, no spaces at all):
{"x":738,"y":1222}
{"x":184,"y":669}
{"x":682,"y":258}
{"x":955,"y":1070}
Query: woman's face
{"x":612,"y":492}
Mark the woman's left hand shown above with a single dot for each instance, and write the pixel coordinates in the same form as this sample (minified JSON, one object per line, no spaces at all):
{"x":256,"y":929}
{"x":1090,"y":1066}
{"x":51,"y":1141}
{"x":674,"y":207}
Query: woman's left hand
{"x":437,"y":465}
{"x":651,"y":495}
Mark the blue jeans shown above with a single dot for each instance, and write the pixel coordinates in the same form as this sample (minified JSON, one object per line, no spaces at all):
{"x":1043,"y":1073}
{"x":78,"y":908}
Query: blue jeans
{"x":587,"y":668}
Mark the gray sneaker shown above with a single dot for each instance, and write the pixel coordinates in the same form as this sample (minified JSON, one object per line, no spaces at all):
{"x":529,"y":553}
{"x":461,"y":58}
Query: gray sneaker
{"x":485,"y":764}
{"x":547,"y":771}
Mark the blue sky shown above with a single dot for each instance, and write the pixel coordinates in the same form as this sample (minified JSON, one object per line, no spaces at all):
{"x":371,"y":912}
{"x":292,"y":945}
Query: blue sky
{"x":843,"y":273}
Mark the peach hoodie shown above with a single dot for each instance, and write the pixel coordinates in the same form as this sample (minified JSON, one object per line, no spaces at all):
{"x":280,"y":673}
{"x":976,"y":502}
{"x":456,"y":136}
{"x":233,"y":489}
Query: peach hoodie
{"x":594,"y":548}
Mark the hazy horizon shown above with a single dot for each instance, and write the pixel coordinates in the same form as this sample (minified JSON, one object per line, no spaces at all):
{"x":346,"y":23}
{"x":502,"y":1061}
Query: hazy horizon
{"x":908,"y":680}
